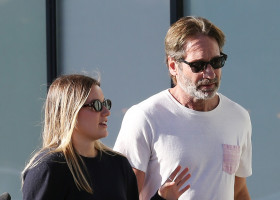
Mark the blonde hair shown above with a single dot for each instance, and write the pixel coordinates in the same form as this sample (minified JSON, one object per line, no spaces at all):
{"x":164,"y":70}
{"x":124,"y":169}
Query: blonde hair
{"x":185,"y":28}
{"x":66,"y":95}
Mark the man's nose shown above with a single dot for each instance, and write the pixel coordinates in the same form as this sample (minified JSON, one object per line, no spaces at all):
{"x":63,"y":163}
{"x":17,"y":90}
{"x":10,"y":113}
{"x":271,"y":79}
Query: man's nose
{"x":209,"y":72}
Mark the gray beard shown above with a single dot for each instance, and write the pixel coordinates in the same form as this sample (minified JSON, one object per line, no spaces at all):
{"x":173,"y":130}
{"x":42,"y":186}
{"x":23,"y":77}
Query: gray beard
{"x":192,"y":89}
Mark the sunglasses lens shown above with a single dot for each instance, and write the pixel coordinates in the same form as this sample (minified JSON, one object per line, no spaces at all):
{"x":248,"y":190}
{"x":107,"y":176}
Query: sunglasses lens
{"x":108,"y":104}
{"x":97,"y":105}
{"x":218,"y":62}
{"x":197,"y":66}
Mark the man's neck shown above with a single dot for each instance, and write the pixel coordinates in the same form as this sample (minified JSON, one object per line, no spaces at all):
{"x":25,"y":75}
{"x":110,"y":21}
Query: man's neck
{"x":193,"y":103}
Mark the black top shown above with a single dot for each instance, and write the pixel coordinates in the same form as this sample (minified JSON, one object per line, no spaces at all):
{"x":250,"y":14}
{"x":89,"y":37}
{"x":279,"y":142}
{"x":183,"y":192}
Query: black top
{"x":111,"y":177}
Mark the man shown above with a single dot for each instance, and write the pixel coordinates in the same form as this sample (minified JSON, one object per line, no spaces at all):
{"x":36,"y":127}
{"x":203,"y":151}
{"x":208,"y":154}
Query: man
{"x":190,"y":124}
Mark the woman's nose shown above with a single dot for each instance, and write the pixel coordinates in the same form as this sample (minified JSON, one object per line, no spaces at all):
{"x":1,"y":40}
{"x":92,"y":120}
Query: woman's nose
{"x":105,"y":111}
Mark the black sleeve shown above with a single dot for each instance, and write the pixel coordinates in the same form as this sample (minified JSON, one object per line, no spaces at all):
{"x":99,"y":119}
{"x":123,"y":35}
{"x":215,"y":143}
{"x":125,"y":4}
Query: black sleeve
{"x":132,"y":193}
{"x":157,"y":197}
{"x":132,"y":188}
{"x":42,"y":183}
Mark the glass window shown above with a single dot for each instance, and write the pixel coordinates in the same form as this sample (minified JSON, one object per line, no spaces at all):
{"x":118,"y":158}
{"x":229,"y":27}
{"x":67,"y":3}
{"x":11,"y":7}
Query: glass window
{"x":124,"y":41}
{"x":22,"y":87}
{"x":250,"y":77}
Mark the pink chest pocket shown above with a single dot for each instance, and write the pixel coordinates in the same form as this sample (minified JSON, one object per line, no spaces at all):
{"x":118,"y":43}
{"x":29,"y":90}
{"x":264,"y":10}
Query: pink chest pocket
{"x":231,"y":158}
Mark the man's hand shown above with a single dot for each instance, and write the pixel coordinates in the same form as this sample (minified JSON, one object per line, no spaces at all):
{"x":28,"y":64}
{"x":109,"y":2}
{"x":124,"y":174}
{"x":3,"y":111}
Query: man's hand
{"x":171,"y":189}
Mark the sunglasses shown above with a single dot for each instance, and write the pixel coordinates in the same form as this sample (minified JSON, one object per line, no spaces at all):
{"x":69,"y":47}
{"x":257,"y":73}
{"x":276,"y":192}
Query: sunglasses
{"x":199,"y":66}
{"x":98,"y":105}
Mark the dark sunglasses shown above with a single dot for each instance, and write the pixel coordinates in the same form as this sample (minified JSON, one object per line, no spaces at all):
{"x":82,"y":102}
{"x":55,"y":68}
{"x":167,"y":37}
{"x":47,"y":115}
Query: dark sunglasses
{"x":199,"y":66}
{"x":98,"y":105}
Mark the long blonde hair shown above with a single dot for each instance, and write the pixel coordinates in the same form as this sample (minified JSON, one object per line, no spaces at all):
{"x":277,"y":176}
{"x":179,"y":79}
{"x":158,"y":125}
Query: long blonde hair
{"x":66,"y":95}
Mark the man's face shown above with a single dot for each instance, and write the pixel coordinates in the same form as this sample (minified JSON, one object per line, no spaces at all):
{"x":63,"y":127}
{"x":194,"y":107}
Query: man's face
{"x":205,"y":84}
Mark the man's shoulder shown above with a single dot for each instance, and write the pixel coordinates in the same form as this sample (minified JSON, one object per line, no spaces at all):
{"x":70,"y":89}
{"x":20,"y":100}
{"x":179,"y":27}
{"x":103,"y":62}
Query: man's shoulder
{"x":153,"y":100}
{"x":146,"y":109}
{"x":231,"y":104}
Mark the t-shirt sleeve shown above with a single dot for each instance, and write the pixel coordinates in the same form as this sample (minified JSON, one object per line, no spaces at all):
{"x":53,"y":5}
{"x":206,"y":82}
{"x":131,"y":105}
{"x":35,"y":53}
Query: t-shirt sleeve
{"x":245,"y":165}
{"x":40,"y":184}
{"x":134,"y":138}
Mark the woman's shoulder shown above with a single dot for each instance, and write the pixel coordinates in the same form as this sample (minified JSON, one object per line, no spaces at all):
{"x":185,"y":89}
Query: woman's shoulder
{"x":47,"y":163}
{"x":115,"y":158}
{"x":112,"y":154}
{"x":48,"y":156}
{"x":48,"y":160}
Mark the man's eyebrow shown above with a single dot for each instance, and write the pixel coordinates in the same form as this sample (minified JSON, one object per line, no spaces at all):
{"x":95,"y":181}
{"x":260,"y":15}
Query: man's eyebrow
{"x":201,"y":60}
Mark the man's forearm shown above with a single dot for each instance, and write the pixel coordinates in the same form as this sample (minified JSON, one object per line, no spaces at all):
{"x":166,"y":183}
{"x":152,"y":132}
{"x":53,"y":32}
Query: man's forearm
{"x":240,"y":189}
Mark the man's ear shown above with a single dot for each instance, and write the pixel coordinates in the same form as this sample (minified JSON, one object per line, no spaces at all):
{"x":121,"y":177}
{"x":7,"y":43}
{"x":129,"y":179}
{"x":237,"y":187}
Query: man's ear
{"x":172,"y":66}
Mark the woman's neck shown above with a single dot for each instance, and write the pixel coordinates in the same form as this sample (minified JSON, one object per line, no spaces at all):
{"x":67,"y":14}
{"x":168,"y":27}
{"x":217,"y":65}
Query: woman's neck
{"x":85,"y":148}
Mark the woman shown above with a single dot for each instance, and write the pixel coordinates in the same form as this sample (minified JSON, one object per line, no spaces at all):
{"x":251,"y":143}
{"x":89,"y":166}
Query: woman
{"x":73,"y":163}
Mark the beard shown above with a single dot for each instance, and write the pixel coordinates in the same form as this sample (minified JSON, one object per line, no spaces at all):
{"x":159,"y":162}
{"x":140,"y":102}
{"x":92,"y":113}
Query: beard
{"x":193,"y":89}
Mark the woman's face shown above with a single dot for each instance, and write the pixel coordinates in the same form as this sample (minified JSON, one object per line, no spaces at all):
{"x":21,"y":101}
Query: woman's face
{"x":92,"y":125}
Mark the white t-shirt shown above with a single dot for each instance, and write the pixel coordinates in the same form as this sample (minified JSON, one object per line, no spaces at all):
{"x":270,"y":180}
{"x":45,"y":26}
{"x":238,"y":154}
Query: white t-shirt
{"x":159,"y":134}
